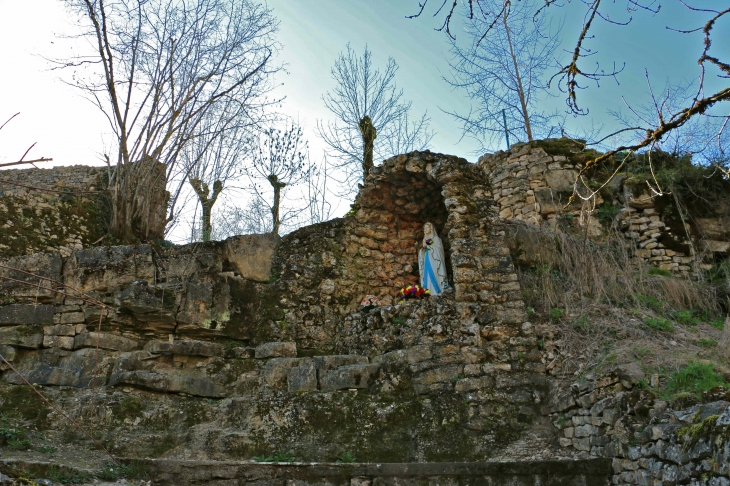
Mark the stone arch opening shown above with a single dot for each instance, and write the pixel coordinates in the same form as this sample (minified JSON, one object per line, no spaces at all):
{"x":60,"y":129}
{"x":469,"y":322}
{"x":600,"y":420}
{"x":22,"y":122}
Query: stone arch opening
{"x":390,"y":213}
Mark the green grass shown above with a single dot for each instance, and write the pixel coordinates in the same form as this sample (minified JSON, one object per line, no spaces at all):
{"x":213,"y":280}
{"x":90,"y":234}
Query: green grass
{"x":651,"y":303}
{"x":686,"y":317}
{"x":718,"y":324}
{"x":47,"y":449}
{"x":112,"y":472}
{"x":694,"y":378}
{"x":63,"y":476}
{"x":659,"y":271}
{"x":399,"y":320}
{"x":556,"y":313}
{"x":583,"y":324}
{"x":659,"y":324}
{"x":280,"y":456}
{"x":346,"y":457}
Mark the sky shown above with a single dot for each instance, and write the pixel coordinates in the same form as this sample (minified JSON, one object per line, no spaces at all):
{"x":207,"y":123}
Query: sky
{"x":312,"y":33}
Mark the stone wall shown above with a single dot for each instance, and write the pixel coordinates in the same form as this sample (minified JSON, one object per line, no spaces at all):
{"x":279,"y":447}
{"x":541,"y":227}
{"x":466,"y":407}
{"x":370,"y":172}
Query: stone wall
{"x":647,"y":440}
{"x":236,"y":362}
{"x":533,"y":183}
{"x":543,"y":473}
{"x":68,"y":217}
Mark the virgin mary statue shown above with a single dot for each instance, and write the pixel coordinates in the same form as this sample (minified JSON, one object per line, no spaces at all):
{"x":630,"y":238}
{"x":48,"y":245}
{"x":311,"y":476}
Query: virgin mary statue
{"x":431,"y":261}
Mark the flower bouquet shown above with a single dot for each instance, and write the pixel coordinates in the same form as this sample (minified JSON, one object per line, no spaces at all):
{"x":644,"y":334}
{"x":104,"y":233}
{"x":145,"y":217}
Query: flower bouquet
{"x":413,"y":292}
{"x":369,"y":302}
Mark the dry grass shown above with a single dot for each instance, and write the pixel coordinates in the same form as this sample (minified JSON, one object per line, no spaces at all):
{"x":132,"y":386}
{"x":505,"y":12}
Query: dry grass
{"x":597,"y":299}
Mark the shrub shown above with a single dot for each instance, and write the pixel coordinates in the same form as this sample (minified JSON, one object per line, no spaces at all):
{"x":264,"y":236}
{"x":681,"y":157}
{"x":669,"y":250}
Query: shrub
{"x":686,"y":317}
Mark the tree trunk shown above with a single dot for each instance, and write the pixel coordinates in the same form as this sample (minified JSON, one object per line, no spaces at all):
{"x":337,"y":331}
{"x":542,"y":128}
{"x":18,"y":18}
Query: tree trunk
{"x":369,"y":133}
{"x":202,"y":191}
{"x":278,"y":186}
{"x":520,"y":89}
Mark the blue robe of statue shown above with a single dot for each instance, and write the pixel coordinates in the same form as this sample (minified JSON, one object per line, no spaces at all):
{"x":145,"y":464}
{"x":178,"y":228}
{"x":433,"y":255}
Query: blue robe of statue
{"x":431,"y":262}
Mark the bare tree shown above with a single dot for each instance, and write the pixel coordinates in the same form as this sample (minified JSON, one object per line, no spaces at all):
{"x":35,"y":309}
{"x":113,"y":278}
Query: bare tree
{"x":164,"y":65}
{"x":316,"y":195}
{"x":232,"y":220}
{"x":367,"y":107}
{"x":279,"y":160}
{"x":215,"y":155}
{"x":698,"y":137}
{"x":21,"y":160}
{"x":503,"y":73}
{"x":570,"y":75}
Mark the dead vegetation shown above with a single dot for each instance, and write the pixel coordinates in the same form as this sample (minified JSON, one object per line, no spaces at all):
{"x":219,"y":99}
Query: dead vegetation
{"x":603,"y":308}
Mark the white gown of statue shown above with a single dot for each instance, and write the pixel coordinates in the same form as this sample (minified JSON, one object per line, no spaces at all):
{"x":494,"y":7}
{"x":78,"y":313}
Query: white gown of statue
{"x":431,"y":262}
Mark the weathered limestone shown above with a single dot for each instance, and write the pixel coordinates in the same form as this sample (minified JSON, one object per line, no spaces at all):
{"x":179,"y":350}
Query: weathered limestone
{"x":533,"y":184}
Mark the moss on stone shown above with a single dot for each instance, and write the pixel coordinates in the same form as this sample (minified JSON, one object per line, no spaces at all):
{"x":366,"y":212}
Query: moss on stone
{"x":22,"y":402}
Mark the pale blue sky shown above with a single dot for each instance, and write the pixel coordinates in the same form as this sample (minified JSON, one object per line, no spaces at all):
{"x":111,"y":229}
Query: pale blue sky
{"x":312,"y":33}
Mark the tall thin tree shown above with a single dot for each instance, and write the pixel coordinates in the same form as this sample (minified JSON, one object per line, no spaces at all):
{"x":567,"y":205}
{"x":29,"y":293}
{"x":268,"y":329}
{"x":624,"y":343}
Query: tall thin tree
{"x":502,"y":68}
{"x":368,"y":109}
{"x":279,"y":160}
{"x":162,"y":66}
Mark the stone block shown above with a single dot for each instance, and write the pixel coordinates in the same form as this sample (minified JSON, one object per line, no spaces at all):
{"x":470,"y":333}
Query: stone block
{"x":186,"y":347}
{"x":302,"y":378}
{"x":19,"y":314}
{"x":352,"y":376}
{"x":473,"y":384}
{"x":106,"y":268}
{"x":60,"y":330}
{"x":276,"y":350}
{"x":439,"y":375}
{"x":72,"y":318}
{"x":63,"y":342}
{"x":169,"y":384}
{"x":251,"y":255}
{"x":582,"y":444}
{"x":8,"y":352}
{"x":275,"y":371}
{"x":335,"y":361}
{"x":104,"y":341}
{"x":30,"y":337}
{"x":47,"y":265}
{"x":561,"y":180}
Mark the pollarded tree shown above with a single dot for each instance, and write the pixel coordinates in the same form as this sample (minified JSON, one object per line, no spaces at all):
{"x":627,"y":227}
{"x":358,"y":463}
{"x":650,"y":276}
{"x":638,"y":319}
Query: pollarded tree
{"x":502,"y":69}
{"x":158,"y":68}
{"x":280,"y":160}
{"x":370,"y":115}
{"x":216,"y":155}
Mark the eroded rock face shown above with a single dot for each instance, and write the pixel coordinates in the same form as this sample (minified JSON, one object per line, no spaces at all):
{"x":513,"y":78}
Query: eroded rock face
{"x":251,"y":255}
{"x":242,"y":347}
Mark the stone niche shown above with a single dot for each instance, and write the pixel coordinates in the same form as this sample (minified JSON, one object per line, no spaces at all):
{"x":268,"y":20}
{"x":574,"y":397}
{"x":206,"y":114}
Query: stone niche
{"x":389,"y":216}
{"x":385,"y":228}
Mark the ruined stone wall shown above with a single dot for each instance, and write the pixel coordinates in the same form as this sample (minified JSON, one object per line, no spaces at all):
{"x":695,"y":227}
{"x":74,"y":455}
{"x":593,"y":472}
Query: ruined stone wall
{"x":533,"y":183}
{"x":289,"y":356}
{"x":647,"y":440}
{"x":68,"y":217}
